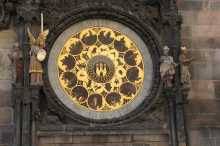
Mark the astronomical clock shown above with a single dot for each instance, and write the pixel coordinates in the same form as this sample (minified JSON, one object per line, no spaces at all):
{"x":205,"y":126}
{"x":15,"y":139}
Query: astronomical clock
{"x":99,"y":79}
{"x":103,"y":70}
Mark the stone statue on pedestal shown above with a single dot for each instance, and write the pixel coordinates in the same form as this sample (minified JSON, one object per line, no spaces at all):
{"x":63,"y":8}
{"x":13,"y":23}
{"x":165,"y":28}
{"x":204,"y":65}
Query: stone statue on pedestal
{"x":167,"y":68}
{"x":16,"y":58}
{"x":185,"y":61}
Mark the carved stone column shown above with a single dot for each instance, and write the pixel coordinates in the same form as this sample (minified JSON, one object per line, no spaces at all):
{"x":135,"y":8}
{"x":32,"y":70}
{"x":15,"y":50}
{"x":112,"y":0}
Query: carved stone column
{"x":171,"y":37}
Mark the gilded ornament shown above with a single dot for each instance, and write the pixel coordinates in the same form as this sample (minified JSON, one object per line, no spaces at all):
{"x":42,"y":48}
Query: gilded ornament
{"x":100,"y":61}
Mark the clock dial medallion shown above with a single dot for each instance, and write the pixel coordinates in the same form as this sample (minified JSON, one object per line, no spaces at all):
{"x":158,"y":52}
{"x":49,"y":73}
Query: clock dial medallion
{"x":100,"y":69}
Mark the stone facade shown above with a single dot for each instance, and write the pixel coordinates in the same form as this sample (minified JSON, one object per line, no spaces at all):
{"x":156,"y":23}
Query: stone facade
{"x":7,"y":39}
{"x":200,"y":33}
{"x":116,"y":139}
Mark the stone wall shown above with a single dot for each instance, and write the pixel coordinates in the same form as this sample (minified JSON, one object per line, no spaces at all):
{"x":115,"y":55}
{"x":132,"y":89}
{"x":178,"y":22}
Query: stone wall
{"x":201,"y":34}
{"x":7,"y":39}
{"x":116,"y":138}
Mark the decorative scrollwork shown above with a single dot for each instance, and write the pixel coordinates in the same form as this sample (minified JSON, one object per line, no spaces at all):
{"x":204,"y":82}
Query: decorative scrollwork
{"x":100,"y":69}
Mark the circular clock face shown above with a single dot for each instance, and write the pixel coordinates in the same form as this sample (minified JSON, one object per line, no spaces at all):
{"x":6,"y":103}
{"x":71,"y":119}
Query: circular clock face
{"x":100,"y":69}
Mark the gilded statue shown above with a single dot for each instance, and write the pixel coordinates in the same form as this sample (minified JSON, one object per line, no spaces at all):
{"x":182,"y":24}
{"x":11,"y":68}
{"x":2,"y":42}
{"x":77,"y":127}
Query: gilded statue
{"x":37,"y":55}
{"x":167,"y":68}
{"x":185,"y":61}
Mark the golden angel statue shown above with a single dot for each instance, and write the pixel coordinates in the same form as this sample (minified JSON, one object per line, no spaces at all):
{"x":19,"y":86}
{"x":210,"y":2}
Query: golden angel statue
{"x":167,"y":68}
{"x":37,"y":55}
{"x":185,"y":61}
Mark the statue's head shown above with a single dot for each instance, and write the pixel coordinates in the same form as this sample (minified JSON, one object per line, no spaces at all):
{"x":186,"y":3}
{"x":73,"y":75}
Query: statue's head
{"x":184,"y":49}
{"x":166,"y":50}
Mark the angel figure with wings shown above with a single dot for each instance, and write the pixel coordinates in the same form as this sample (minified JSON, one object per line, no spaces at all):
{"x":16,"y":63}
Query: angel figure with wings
{"x":37,"y":55}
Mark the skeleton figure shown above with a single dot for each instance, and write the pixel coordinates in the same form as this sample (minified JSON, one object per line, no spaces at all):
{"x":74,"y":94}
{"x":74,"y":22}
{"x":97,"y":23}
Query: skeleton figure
{"x":167,"y":68}
{"x":185,"y":62}
{"x":37,"y":45}
{"x":16,"y":59}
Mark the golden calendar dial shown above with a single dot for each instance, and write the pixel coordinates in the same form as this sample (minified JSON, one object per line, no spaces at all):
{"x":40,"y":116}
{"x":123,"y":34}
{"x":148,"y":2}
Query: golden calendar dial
{"x":100,"y":69}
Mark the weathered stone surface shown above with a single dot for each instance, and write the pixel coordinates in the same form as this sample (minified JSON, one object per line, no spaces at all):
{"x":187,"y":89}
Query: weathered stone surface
{"x":151,"y":138}
{"x":202,"y":89}
{"x":215,"y":5}
{"x":48,"y":145}
{"x":7,"y":39}
{"x":202,"y":71}
{"x":201,"y":113}
{"x":6,"y":135}
{"x":205,"y":71}
{"x":5,"y":65}
{"x":106,"y":140}
{"x":6,"y":117}
{"x":204,"y":106}
{"x":102,"y":139}
{"x":205,"y":31}
{"x":5,"y":97}
{"x":207,"y":43}
{"x":6,"y":138}
{"x":46,"y":140}
{"x":113,"y":144}
{"x":186,"y":32}
{"x":215,"y":133}
{"x":217,"y":89}
{"x":203,"y":137}
{"x":217,"y":142}
{"x":190,"y":5}
{"x":203,"y":17}
{"x":5,"y":85}
{"x":63,"y":139}
{"x":161,"y":144}
{"x":205,"y":55}
{"x":216,"y":72}
{"x":182,"y":144}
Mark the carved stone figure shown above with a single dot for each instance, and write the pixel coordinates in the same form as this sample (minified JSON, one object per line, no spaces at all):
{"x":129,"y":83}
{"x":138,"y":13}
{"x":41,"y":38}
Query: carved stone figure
{"x":184,"y":64}
{"x":17,"y":63}
{"x":37,"y":55}
{"x":167,"y":68}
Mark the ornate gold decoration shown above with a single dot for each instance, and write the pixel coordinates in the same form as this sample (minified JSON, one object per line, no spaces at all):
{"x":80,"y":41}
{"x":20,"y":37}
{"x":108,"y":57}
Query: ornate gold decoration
{"x":100,"y":69}
{"x":37,"y":55}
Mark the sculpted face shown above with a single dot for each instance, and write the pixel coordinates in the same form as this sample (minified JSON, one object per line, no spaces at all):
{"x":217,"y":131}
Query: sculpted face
{"x":166,"y":50}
